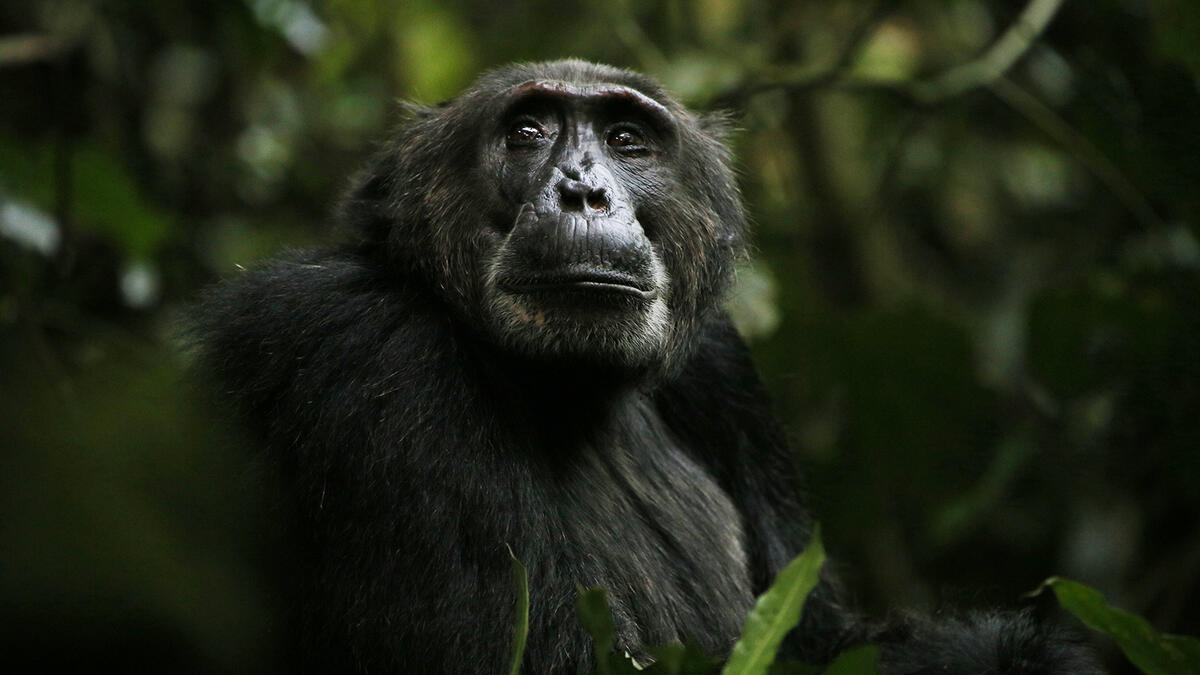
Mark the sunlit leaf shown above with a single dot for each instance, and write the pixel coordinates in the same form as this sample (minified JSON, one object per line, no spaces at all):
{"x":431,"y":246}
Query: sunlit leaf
{"x":777,"y":612}
{"x":521,"y":620}
{"x":1153,"y":652}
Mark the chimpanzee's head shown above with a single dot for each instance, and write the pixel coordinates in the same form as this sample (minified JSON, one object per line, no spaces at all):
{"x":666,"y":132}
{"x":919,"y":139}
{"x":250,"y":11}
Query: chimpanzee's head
{"x":570,"y":211}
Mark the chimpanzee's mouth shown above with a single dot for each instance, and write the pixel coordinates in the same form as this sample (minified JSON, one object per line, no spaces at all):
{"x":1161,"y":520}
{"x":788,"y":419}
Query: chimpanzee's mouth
{"x":598,"y":282}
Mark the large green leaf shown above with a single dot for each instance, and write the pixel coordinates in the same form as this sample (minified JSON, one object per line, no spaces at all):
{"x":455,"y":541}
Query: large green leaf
{"x":1153,"y":652}
{"x":596,"y":618}
{"x":777,"y":612}
{"x":521,"y":621}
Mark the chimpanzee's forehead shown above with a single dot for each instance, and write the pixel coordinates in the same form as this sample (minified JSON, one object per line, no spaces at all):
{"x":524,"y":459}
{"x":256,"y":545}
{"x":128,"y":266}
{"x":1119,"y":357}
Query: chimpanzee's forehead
{"x":601,"y":92}
{"x":572,"y":73}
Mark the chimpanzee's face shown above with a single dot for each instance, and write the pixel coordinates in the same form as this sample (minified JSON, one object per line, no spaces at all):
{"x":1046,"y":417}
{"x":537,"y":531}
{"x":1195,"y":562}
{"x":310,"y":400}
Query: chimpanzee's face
{"x":575,"y":272}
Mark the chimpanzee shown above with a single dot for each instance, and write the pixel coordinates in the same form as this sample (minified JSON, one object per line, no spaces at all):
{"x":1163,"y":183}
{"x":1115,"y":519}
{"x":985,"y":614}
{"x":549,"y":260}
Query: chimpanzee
{"x":520,"y":346}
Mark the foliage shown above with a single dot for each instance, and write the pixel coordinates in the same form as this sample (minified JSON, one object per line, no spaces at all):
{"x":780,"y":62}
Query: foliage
{"x":973,"y":291}
{"x":1153,"y":652}
{"x":777,"y":612}
{"x":521,"y":620}
{"x":597,"y":618}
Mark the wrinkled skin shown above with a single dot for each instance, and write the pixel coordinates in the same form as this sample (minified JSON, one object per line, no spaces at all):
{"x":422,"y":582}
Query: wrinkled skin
{"x":520,"y":347}
{"x":574,"y":272}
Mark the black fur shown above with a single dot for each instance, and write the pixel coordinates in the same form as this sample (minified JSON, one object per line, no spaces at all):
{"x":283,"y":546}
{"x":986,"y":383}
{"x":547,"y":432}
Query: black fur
{"x":421,"y":432}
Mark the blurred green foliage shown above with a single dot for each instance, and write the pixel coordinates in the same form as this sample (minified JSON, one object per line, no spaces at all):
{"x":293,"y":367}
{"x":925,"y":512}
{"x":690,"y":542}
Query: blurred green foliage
{"x":774,"y":615}
{"x":1153,"y":652}
{"x":976,"y":304}
{"x":776,"y":612}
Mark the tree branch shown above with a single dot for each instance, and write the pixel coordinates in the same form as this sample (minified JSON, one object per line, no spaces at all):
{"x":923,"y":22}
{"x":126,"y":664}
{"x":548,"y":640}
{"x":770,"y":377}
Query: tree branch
{"x":980,"y":72}
{"x":802,"y":77}
{"x":1084,"y":151}
{"x":996,"y":61}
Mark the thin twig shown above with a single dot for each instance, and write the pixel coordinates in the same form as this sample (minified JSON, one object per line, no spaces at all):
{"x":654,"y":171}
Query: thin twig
{"x":996,"y":61}
{"x":802,"y":77}
{"x":988,"y":71}
{"x":1054,"y":126}
{"x":979,"y":72}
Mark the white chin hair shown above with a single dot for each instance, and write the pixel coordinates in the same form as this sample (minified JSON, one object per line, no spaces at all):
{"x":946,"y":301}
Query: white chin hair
{"x":628,"y":338}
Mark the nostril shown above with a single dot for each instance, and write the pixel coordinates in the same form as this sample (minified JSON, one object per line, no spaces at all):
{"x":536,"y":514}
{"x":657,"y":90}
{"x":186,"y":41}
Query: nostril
{"x":597,"y":199}
{"x":576,"y":195}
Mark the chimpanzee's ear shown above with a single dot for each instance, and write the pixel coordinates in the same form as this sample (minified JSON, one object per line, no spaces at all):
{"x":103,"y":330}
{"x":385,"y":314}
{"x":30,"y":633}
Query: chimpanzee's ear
{"x":718,"y":125}
{"x":411,"y":110}
{"x":364,"y":210}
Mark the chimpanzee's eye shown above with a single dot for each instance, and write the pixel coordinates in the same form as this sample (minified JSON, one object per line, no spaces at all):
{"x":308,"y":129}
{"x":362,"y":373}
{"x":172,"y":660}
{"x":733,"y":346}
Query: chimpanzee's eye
{"x":624,"y":137}
{"x":524,"y":133}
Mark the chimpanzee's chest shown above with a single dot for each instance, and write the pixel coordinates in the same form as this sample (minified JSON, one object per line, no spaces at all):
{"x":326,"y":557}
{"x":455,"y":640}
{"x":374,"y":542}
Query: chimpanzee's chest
{"x":647,"y":522}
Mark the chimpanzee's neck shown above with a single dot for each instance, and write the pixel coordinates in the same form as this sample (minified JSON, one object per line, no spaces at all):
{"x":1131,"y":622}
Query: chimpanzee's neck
{"x":561,"y":401}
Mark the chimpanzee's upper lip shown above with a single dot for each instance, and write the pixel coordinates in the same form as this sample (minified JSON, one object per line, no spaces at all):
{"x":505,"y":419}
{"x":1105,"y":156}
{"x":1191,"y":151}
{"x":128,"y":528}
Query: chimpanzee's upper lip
{"x":593,"y":281}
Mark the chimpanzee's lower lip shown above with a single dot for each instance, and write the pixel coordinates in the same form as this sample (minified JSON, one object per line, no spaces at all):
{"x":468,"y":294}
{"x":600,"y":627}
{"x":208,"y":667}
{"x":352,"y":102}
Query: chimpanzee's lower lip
{"x":599,"y":285}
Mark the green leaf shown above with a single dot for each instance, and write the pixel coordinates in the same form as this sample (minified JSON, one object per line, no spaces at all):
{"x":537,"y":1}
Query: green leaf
{"x":678,"y":659}
{"x":108,"y":201}
{"x":597,"y":619}
{"x":1153,"y":652}
{"x":777,"y":611}
{"x":862,"y":660}
{"x":521,"y":622}
{"x":104,"y":197}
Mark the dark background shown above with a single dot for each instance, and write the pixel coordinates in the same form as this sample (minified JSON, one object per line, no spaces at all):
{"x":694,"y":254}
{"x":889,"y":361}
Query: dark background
{"x":975,"y":290}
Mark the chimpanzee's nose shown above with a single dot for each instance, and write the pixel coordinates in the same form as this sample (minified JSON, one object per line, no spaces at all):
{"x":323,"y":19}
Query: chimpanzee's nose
{"x":577,"y":195}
